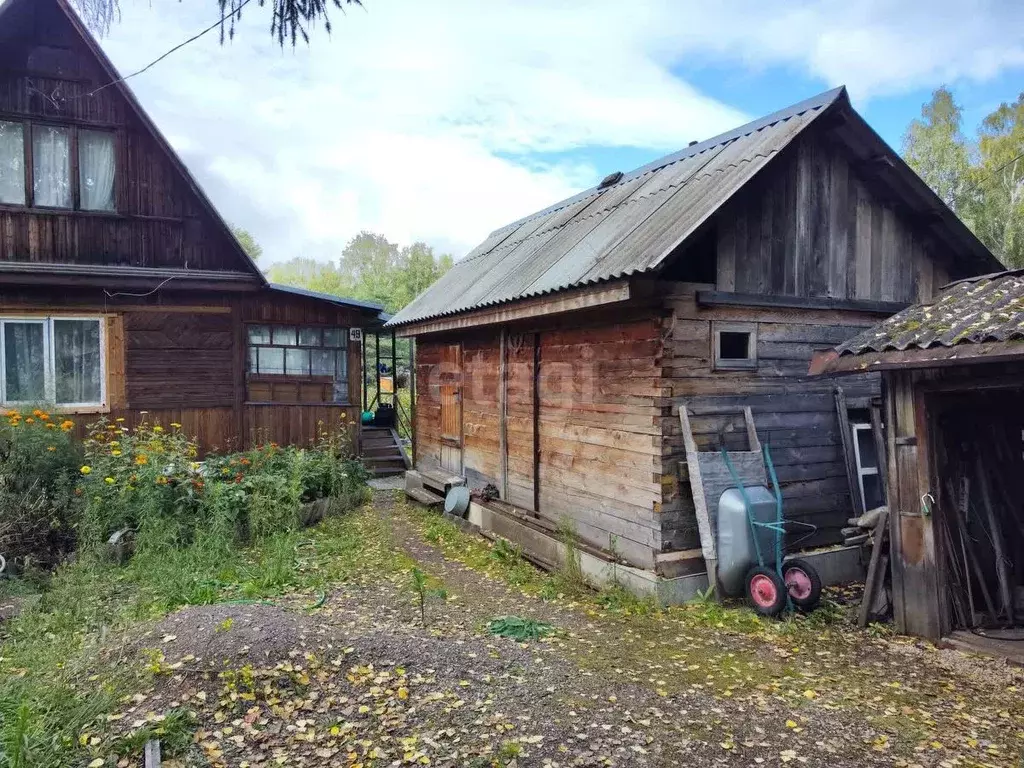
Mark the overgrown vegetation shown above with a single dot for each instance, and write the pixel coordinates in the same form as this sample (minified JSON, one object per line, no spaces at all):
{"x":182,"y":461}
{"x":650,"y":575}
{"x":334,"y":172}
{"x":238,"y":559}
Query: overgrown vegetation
{"x":226,"y":528}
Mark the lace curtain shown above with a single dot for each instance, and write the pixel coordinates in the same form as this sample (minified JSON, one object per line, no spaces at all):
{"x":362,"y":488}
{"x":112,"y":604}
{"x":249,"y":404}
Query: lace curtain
{"x":12,"y":164}
{"x":24,"y":362}
{"x":96,"y":170}
{"x":76,"y":353}
{"x":51,"y":158}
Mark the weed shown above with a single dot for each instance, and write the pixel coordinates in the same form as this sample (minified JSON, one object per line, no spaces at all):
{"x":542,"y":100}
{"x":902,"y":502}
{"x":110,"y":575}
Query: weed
{"x":421,"y":586}
{"x":174,"y":732}
{"x":509,"y":751}
{"x":519,"y":629}
{"x":570,"y":573}
{"x":616,"y":597}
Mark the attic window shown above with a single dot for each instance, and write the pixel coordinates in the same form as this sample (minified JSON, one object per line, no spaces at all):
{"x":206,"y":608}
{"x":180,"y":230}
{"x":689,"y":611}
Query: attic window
{"x":611,"y":178}
{"x":735,"y":346}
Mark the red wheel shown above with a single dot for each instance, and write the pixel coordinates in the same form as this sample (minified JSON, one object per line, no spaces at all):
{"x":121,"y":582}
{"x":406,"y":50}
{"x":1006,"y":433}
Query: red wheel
{"x":803,"y":583}
{"x":766,"y":591}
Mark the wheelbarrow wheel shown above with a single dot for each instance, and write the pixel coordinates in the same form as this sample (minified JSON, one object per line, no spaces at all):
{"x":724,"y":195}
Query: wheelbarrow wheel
{"x":766,"y":591}
{"x":802,"y":583}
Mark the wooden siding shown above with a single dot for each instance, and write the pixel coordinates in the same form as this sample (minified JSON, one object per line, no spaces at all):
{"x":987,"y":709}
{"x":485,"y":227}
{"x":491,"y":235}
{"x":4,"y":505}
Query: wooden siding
{"x":175,"y":357}
{"x":795,"y":415}
{"x":49,"y":75}
{"x":594,"y":456}
{"x":180,"y":357}
{"x":813,"y":226}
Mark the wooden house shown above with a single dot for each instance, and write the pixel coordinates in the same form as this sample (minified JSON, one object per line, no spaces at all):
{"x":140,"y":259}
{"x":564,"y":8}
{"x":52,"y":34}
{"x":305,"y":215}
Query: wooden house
{"x":122,"y":291}
{"x":551,"y":361}
{"x":953,"y":373}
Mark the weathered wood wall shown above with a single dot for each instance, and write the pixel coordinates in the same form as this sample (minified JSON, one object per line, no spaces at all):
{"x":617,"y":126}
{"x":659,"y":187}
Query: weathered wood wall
{"x":598,"y":453}
{"x":795,"y":415}
{"x":48,"y":74}
{"x":181,"y":357}
{"x":812,"y":225}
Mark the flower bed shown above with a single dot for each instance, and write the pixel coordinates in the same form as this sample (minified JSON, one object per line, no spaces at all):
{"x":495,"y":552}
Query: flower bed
{"x":148,"y":481}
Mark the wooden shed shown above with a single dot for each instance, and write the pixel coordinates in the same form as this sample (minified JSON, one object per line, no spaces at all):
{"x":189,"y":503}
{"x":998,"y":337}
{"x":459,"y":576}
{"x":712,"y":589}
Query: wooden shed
{"x":953,"y":375}
{"x":552,"y":361}
{"x":122,"y":291}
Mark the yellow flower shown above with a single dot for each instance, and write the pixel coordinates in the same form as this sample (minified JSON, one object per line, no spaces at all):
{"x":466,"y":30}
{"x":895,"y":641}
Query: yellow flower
{"x":51,"y":426}
{"x":161,"y":480}
{"x":158,"y":428}
{"x":118,"y":420}
{"x":51,"y":448}
{"x":115,"y":453}
{"x":67,"y":424}
{"x":141,"y":459}
{"x":37,"y":412}
{"x":12,"y":412}
{"x":29,"y":420}
{"x":86,"y":469}
{"x":176,"y":425}
{"x":108,"y":480}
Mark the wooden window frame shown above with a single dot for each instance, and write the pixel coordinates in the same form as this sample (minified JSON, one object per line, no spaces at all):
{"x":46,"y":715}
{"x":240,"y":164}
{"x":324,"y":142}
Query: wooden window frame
{"x":74,"y":170}
{"x":257,"y":377}
{"x":719,"y":363}
{"x":49,"y":354}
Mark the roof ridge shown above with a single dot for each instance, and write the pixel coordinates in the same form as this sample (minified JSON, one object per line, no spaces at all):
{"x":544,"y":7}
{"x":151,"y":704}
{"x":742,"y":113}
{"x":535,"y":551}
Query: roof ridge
{"x":823,"y":99}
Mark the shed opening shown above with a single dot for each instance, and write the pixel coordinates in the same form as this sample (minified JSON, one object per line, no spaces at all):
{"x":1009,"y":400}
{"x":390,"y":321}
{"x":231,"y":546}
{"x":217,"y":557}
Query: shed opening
{"x":735,"y":345}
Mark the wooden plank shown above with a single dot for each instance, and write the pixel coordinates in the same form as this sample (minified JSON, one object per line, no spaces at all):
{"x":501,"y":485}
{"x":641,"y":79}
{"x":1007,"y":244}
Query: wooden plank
{"x":849,"y":458}
{"x":503,"y":413}
{"x":707,"y":535}
{"x":875,"y":577}
{"x":566,"y":301}
{"x":536,"y":421}
{"x":722,"y":298}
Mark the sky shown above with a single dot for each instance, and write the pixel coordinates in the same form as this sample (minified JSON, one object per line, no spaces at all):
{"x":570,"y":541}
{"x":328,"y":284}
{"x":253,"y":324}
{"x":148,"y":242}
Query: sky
{"x":441,"y":121}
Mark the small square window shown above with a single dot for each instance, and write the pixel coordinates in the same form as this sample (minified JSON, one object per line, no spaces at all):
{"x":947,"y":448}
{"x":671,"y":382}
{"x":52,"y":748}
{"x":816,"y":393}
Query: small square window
{"x":735,"y":346}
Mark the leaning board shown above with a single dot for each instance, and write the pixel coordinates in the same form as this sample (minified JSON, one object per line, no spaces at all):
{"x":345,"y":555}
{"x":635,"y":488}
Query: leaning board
{"x":710,"y":478}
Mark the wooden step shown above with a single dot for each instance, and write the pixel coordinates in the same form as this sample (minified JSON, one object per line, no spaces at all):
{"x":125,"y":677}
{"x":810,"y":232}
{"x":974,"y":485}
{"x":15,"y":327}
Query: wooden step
{"x":425,"y":497}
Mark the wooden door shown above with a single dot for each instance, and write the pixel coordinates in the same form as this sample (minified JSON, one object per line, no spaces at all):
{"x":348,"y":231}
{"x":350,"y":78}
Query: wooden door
{"x":451,"y":408}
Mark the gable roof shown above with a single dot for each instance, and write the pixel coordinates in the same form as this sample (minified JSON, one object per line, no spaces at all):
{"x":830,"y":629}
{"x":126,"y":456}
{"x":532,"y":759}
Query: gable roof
{"x":972,"y":319}
{"x":634,"y":225}
{"x":115,"y":81}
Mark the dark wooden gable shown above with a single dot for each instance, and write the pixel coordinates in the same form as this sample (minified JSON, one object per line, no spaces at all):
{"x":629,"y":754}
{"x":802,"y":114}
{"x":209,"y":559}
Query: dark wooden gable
{"x":52,"y":72}
{"x":818,"y":223}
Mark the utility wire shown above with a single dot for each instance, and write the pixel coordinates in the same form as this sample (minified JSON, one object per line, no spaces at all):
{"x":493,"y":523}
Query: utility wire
{"x":988,"y":176}
{"x":233,"y":12}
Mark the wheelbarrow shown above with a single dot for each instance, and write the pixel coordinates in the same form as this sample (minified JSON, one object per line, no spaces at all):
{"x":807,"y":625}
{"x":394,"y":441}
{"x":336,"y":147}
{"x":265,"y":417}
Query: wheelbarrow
{"x":750,"y":547}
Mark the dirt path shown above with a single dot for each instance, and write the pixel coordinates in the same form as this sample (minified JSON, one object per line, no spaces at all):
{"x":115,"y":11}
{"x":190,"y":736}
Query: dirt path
{"x":356,"y":679}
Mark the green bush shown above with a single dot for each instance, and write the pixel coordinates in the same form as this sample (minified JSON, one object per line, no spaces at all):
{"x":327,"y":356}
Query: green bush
{"x":38,"y":469}
{"x":148,"y":481}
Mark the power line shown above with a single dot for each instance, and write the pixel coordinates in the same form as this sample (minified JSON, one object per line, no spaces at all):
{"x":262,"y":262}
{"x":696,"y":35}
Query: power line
{"x":988,"y":176}
{"x":233,"y":12}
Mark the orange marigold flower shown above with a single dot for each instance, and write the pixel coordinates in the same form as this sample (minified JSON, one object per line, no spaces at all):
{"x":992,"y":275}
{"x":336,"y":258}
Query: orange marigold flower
{"x":141,"y":459}
{"x":246,"y":462}
{"x":51,"y":426}
{"x":29,"y":420}
{"x":12,"y":412}
{"x":67,"y":424}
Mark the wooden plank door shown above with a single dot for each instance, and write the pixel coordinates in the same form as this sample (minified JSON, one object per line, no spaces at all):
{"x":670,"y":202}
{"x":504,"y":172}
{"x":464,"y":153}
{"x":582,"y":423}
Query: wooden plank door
{"x":451,"y":408}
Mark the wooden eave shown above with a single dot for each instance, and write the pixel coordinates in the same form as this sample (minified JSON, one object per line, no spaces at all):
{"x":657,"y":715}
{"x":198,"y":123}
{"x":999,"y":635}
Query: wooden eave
{"x":104,"y":276}
{"x":525,"y":309}
{"x":831,"y":363}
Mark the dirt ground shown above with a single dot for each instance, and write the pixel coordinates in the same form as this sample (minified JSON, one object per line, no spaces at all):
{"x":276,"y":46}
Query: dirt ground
{"x":352,"y":677}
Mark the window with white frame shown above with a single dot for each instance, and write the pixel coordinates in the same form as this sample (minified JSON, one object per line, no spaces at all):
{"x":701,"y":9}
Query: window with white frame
{"x":57,"y":360}
{"x":871,"y":492}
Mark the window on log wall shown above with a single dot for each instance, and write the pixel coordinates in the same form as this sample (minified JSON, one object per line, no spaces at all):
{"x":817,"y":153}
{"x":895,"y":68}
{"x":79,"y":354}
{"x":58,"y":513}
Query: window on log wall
{"x":56,"y":360}
{"x":289,"y":363}
{"x":44,"y":165}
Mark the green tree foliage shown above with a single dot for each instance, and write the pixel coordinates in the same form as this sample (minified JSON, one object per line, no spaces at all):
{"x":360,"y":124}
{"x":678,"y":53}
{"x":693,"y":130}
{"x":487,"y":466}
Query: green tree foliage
{"x":370,"y":268}
{"x":248,"y":242}
{"x":982,"y":179}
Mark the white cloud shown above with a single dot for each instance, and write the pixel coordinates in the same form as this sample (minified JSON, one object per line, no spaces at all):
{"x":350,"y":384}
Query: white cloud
{"x":439,"y":121}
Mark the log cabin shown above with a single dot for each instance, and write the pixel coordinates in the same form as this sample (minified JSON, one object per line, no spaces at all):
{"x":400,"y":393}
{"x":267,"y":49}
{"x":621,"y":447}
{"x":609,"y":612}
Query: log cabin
{"x":123,"y":293}
{"x":552,"y":361}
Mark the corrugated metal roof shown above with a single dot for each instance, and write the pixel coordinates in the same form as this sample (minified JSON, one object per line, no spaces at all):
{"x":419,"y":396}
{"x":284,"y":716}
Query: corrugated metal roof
{"x":974,"y":311}
{"x":342,"y":301}
{"x":624,"y":229}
